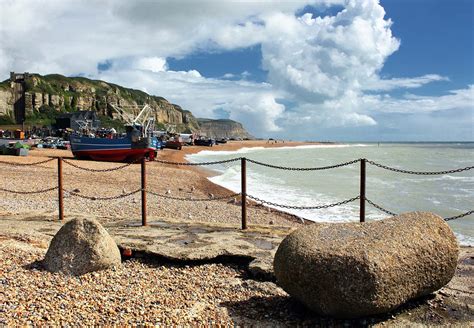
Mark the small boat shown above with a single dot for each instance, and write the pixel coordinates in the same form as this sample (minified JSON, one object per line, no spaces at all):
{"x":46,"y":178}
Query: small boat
{"x":137,"y":143}
{"x":128,"y":148}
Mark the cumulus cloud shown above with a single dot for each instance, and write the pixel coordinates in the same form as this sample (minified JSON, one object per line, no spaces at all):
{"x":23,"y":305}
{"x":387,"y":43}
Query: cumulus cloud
{"x":253,"y":104}
{"x":328,"y":66}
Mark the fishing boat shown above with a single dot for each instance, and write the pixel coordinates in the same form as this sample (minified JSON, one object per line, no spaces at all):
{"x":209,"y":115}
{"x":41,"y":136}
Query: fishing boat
{"x":138,"y":142}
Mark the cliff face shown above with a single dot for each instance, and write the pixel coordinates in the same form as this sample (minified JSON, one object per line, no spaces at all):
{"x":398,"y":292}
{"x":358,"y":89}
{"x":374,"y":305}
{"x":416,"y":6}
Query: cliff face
{"x":66,"y":94}
{"x":222,"y":129}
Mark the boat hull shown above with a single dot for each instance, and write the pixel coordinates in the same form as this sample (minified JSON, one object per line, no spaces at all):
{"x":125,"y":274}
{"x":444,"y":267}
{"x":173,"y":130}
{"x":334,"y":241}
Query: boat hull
{"x":111,"y":150}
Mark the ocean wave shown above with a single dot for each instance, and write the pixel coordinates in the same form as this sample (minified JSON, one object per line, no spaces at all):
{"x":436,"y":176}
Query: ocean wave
{"x":247,"y":150}
{"x":464,"y":240}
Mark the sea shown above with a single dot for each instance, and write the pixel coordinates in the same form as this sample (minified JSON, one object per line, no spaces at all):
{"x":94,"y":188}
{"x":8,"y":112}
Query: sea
{"x":447,"y":195}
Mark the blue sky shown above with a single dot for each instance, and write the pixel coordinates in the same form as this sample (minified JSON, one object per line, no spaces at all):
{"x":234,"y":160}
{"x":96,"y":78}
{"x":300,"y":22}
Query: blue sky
{"x":345,"y":70}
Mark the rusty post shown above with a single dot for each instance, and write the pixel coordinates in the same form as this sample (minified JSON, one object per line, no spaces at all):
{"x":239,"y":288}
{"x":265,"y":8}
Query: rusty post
{"x":143,"y":192}
{"x":362,"y":189}
{"x":244,"y":192}
{"x":60,"y":189}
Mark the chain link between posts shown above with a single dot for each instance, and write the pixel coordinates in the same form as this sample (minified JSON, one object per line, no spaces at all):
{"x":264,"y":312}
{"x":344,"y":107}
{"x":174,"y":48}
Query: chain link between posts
{"x":302,"y":168}
{"x":259,"y":200}
{"x":103,"y":198}
{"x":198,"y":164}
{"x":98,"y":170}
{"x":393,"y":214}
{"x":29,"y":192}
{"x":194,"y":199}
{"x":28,"y":164}
{"x":420,"y":172}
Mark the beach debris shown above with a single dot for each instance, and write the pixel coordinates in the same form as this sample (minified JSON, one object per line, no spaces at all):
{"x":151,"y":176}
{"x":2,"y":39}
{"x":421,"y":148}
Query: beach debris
{"x":232,"y":201}
{"x":349,"y":270}
{"x":190,"y":217}
{"x":193,"y":188}
{"x":211,"y":195}
{"x":168,"y":192}
{"x":134,"y":200}
{"x":271,"y":222}
{"x":77,"y":190}
{"x":80,"y":246}
{"x":124,"y":191}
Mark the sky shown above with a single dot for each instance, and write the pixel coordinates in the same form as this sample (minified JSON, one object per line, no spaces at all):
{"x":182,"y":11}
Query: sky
{"x":327,"y":70}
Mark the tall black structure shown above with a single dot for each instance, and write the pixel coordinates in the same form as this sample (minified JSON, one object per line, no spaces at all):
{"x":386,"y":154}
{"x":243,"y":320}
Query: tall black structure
{"x":18,"y":84}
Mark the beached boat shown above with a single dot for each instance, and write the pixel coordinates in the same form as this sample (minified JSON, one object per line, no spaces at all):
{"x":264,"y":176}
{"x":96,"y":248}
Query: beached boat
{"x":128,"y":148}
{"x":138,"y":142}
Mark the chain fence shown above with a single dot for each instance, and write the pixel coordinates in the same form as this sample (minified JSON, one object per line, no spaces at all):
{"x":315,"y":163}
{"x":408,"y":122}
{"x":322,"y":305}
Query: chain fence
{"x":28,"y":164}
{"x":194,"y":199}
{"x":420,"y":172}
{"x":123,"y":195}
{"x":225,"y":163}
{"x":98,"y":170}
{"x":393,"y":214}
{"x":302,"y":168}
{"x":199,"y":164}
{"x":29,"y":192}
{"x":317,"y":207}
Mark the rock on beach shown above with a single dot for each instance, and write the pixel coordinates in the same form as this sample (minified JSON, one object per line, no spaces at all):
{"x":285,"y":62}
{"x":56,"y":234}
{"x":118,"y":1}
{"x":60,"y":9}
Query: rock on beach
{"x":81,"y":246}
{"x":349,"y":270}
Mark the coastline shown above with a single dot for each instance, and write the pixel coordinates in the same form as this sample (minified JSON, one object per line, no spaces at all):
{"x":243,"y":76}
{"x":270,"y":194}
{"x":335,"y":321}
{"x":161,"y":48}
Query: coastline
{"x":166,"y":293}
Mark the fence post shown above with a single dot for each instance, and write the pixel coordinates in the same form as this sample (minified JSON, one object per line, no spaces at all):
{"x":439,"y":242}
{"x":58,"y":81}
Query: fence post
{"x":362,"y":189}
{"x":243,"y":165}
{"x":60,"y":189}
{"x":143,"y":167}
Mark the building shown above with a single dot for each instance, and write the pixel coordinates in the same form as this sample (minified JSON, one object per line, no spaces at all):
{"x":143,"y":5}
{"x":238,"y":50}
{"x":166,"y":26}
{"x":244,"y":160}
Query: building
{"x":77,"y":120}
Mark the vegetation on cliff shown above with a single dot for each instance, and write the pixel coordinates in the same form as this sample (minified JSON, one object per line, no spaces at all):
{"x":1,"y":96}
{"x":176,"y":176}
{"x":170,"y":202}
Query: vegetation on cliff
{"x":48,"y":96}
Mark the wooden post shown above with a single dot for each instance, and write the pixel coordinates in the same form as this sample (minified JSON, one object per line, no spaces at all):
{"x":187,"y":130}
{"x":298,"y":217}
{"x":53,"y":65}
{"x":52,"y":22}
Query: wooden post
{"x":60,"y":189}
{"x":143,"y":192}
{"x":362,"y":189}
{"x":243,"y":165}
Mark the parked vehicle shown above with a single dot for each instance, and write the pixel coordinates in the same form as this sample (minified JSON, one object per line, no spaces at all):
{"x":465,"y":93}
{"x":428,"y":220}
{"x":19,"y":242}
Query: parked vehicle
{"x":174,"y":143}
{"x":204,"y":142}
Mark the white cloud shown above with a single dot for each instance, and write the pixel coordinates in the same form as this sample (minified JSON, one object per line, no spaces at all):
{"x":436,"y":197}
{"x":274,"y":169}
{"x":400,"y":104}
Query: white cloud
{"x":327,"y":67}
{"x":154,"y":64}
{"x":253,"y":104}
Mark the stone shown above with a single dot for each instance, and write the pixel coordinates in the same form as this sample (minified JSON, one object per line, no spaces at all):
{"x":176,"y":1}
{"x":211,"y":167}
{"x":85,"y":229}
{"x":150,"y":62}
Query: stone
{"x":349,"y":270}
{"x":81,"y":246}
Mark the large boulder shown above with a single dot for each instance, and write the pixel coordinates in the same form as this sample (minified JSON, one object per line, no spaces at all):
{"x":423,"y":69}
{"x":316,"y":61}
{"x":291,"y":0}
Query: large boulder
{"x":349,"y":270}
{"x":81,"y":246}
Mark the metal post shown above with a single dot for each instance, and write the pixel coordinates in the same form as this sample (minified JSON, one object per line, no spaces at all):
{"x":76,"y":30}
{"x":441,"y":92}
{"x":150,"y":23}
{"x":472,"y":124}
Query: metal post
{"x":143,"y":192}
{"x":362,"y":189}
{"x":244,"y":192}
{"x":60,"y":189}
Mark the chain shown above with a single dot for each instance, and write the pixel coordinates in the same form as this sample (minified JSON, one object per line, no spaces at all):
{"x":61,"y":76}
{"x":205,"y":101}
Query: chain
{"x":445,"y":219}
{"x":303,"y":168}
{"x":29,"y":192}
{"x":459,"y":216}
{"x":28,"y":164}
{"x":193,"y":199}
{"x":197,"y":164}
{"x":379,"y":207}
{"x":102,"y":198}
{"x":99,"y":170}
{"x":420,"y":172}
{"x":302,"y":207}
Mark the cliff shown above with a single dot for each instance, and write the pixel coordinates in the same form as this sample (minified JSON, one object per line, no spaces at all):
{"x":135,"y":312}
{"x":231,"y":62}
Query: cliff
{"x":56,"y":93}
{"x":222,"y":128}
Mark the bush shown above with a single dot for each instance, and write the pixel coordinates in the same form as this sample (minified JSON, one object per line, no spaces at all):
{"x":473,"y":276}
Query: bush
{"x":6,"y":120}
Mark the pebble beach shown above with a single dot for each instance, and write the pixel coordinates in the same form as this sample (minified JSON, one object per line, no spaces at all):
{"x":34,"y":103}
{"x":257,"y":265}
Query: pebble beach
{"x":148,"y":291}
